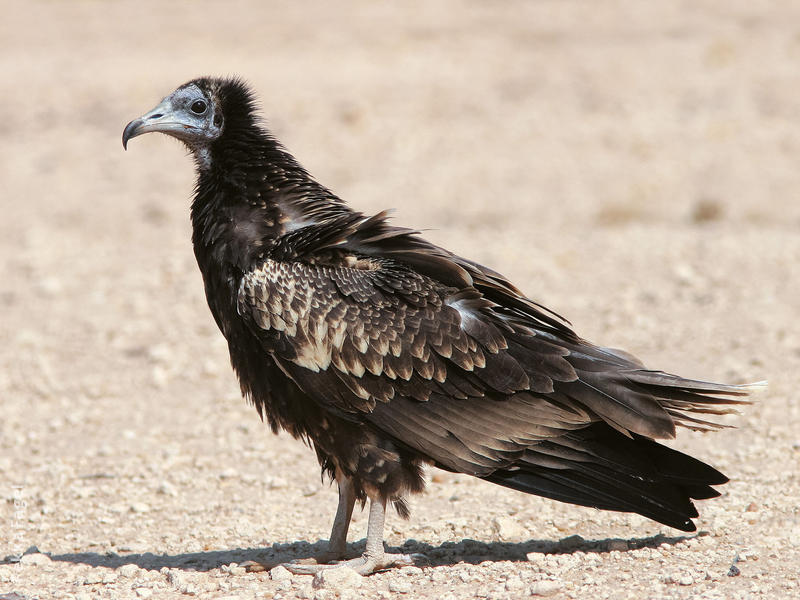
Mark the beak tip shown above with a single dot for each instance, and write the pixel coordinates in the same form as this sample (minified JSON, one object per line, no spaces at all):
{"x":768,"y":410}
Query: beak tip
{"x":130,"y":131}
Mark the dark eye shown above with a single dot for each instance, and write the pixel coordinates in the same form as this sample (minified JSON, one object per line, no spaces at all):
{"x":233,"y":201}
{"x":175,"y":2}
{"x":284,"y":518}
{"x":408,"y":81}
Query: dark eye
{"x":198,"y":107}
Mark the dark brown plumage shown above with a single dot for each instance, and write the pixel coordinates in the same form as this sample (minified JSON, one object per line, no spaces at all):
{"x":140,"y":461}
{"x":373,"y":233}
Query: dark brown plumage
{"x":385,"y":352}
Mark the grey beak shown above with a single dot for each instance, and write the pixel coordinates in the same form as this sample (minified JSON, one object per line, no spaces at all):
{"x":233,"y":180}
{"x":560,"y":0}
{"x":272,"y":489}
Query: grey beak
{"x":130,"y":131}
{"x":162,"y":118}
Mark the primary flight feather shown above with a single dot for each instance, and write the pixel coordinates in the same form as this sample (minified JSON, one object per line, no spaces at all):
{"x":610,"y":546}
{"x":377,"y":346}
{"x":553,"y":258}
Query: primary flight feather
{"x":387,"y":353}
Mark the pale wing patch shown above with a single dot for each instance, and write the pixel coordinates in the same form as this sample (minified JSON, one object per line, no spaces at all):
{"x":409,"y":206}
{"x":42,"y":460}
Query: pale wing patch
{"x":325,"y":316}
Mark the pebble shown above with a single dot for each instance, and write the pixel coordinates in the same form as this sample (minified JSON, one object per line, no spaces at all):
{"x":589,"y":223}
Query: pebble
{"x":746,"y":555}
{"x":229,"y":473}
{"x":129,"y":570}
{"x":166,"y":489}
{"x":571,"y":542}
{"x":536,"y":556}
{"x":36,"y":559}
{"x":176,"y":580}
{"x":514,"y":584}
{"x":277,"y":483}
{"x":110,"y":577}
{"x":617,"y":545}
{"x":92,"y":578}
{"x":507,"y":528}
{"x":140,"y":507}
{"x":337,"y":579}
{"x":143,"y":592}
{"x":280,"y":573}
{"x":400,"y":586}
{"x":545,"y":588}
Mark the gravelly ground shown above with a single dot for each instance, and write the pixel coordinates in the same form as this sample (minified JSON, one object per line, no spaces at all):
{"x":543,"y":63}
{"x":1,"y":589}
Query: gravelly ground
{"x":632,"y":165}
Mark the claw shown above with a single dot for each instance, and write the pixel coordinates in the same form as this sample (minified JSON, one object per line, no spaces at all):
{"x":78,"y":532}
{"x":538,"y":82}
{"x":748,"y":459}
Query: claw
{"x":363,"y":565}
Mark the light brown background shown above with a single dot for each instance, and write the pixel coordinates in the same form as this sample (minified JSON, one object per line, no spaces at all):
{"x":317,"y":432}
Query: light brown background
{"x":633,"y":165}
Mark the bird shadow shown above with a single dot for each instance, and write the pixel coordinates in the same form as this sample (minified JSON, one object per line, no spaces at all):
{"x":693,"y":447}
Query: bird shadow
{"x":445,"y":554}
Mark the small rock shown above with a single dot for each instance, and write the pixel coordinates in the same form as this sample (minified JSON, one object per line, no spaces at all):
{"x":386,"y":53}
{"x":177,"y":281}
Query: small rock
{"x":129,"y":570}
{"x":536,"y":556}
{"x":545,"y":588}
{"x":563,"y":525}
{"x":144,"y":592}
{"x":277,"y":483}
{"x":280,"y":573}
{"x":93,"y":577}
{"x":167,"y":489}
{"x":140,"y":507}
{"x":252,"y":566}
{"x":36,"y":559}
{"x":336,"y":579}
{"x":400,"y":586}
{"x":617,"y":545}
{"x":514,"y":584}
{"x":571,"y":542}
{"x":734,"y":571}
{"x":746,"y":555}
{"x":752,"y":507}
{"x":305,"y":593}
{"x":686,"y":579}
{"x":507,"y":528}
{"x":109,"y":577}
{"x":229,"y":473}
{"x":176,"y":580}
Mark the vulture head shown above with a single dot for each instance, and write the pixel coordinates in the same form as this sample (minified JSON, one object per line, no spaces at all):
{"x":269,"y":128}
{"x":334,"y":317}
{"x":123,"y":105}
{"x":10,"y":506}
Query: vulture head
{"x":198,"y":113}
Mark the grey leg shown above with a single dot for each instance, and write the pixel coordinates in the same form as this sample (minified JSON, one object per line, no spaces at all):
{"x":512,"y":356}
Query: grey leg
{"x":374,"y":557}
{"x":337,"y":546}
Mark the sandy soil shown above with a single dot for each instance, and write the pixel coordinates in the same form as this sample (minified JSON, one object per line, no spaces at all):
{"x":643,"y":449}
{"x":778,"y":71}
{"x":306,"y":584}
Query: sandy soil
{"x":633,"y":165}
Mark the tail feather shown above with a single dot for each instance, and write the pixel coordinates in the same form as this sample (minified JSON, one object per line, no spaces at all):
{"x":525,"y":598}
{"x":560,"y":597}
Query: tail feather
{"x":599,"y":467}
{"x":679,"y":396}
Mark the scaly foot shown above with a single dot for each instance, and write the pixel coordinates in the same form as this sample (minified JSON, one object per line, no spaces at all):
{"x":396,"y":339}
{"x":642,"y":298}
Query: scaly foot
{"x":365,"y":564}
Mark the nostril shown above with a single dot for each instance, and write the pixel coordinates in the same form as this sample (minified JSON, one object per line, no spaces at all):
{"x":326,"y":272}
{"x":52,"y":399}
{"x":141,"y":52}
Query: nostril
{"x":158,"y":116}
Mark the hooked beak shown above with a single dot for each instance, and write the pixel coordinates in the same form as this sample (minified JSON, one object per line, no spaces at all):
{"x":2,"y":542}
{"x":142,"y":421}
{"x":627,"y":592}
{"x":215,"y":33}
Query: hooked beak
{"x":162,"y":118}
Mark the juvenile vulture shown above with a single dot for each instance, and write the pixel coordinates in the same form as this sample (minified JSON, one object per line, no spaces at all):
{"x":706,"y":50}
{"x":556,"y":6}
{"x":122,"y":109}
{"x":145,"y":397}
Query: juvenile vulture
{"x":386,"y":353}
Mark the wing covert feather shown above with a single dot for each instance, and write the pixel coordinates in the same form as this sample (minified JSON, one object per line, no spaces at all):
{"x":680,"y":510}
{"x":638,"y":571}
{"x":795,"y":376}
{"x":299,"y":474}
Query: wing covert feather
{"x":445,"y":355}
